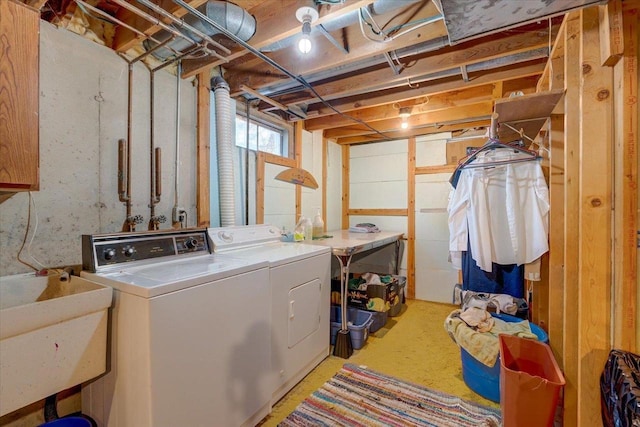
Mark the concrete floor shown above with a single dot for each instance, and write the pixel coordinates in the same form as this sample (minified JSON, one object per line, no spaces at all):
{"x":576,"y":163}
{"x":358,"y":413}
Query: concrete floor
{"x":413,"y":346}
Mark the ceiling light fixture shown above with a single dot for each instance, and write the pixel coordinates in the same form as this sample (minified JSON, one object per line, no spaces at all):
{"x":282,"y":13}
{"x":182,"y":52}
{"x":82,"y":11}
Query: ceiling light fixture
{"x":405,"y":113}
{"x":306,"y":15}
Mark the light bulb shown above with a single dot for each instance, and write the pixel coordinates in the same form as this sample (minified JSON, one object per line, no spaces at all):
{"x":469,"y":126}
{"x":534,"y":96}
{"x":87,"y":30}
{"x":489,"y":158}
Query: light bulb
{"x":304,"y":44}
{"x":404,"y":125}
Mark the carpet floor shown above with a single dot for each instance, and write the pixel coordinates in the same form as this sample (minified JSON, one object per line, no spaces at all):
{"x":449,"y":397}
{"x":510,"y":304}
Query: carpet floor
{"x":412,"y":346}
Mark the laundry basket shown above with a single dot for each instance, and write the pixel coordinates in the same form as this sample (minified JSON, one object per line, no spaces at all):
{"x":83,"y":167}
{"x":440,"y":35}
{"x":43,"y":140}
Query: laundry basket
{"x":485,"y":380}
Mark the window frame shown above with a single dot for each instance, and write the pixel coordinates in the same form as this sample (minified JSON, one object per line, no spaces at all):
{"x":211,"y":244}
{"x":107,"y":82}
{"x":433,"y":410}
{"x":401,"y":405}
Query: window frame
{"x":270,"y":122}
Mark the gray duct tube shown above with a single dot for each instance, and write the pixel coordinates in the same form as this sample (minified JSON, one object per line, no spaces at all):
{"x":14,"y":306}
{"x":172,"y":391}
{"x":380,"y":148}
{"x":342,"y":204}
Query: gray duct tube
{"x":378,"y":7}
{"x":235,"y":19}
{"x":225,"y":147}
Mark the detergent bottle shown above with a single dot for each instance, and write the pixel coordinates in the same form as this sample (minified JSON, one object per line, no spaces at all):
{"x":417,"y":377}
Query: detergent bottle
{"x":318,"y":226}
{"x":303,"y":230}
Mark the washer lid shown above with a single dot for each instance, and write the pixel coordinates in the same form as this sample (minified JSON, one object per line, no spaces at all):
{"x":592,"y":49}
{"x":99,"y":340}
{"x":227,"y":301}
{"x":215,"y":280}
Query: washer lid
{"x":155,"y":279}
{"x":278,"y":253}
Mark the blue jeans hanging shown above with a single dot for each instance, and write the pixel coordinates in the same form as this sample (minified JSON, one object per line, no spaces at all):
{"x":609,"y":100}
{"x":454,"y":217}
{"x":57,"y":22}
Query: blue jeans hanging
{"x":503,"y":279}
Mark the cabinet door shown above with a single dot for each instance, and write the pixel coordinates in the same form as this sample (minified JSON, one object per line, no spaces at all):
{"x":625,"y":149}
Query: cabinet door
{"x":19,"y":75}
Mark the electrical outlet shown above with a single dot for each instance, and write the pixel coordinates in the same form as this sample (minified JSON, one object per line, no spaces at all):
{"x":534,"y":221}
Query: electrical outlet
{"x":178,"y":214}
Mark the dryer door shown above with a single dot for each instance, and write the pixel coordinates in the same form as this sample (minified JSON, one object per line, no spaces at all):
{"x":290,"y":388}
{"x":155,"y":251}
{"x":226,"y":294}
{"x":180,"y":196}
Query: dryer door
{"x":304,"y":311}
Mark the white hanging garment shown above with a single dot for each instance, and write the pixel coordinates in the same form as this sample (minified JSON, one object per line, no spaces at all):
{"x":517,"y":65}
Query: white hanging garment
{"x":504,"y":209}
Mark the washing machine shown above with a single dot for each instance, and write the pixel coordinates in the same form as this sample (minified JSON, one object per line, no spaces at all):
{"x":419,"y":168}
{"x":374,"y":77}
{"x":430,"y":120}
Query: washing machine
{"x":189,"y":332}
{"x":299,"y":276}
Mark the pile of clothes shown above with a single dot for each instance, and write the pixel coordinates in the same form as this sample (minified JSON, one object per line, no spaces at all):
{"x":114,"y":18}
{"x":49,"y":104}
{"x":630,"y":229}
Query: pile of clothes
{"x":476,"y":330}
{"x":364,"y":227}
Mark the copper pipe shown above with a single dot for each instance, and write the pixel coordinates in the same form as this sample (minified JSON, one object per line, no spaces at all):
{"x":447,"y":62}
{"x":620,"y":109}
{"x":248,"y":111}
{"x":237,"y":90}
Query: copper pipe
{"x":129,"y":132}
{"x":158,"y":174}
{"x":122,"y":173}
{"x":152,"y":169}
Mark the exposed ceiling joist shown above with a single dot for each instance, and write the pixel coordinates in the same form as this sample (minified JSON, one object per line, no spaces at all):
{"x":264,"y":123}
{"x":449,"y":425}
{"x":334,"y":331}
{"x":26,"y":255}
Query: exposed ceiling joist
{"x":277,"y":21}
{"x":406,"y":133}
{"x":422,"y":105}
{"x":325,"y":56}
{"x":479,"y":111}
{"x":441,"y":60}
{"x":404,"y":93}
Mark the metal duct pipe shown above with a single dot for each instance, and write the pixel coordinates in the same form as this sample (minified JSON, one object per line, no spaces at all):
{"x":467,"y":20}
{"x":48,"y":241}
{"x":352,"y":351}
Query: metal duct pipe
{"x":225,"y":147}
{"x":378,"y":7}
{"x":232,"y":17}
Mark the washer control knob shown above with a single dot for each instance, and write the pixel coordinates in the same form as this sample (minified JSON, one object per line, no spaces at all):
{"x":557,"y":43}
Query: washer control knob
{"x":128,"y":251}
{"x":109,"y":253}
{"x":191,"y":243}
{"x":225,"y":236}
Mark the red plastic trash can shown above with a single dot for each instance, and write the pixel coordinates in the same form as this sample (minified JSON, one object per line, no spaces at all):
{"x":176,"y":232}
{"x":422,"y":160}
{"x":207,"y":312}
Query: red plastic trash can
{"x":530,"y":382}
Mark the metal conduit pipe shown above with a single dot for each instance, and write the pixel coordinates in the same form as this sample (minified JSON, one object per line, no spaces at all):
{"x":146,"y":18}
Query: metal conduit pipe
{"x":232,"y":17}
{"x":184,"y":26}
{"x":225,"y":148}
{"x":293,"y":86}
{"x":378,"y":7}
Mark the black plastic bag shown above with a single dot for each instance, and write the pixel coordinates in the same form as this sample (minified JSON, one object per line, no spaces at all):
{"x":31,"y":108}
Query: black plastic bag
{"x":620,"y":390}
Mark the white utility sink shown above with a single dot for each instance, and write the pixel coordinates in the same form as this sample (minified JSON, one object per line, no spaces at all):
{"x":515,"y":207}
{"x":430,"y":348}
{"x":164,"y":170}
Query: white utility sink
{"x":53,"y":335}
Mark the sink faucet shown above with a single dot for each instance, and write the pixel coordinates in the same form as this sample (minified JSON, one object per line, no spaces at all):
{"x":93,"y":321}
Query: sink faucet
{"x":155,"y":221}
{"x":131,"y":222}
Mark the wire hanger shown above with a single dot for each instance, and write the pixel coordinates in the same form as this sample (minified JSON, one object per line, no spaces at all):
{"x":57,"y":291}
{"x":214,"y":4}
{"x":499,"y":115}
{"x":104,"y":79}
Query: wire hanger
{"x":492,"y":144}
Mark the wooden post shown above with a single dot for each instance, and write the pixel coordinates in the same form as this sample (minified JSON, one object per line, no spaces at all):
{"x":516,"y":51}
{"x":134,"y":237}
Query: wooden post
{"x":297,"y":130}
{"x":572,"y":73}
{"x":260,"y":161}
{"x":595,"y":226}
{"x":345,"y":187}
{"x":555,"y":326}
{"x":325,"y":153}
{"x":411,"y":219}
{"x":203,"y":190}
{"x":625,"y":187}
{"x":611,"y":46}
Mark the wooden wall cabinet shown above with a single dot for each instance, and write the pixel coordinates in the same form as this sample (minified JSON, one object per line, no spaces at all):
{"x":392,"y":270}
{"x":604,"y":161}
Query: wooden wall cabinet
{"x":19,"y":96}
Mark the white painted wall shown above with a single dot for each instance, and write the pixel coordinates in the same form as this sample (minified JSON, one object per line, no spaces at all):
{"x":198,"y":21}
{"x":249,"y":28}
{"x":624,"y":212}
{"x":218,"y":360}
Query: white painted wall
{"x":378,"y":176}
{"x":312,"y":162}
{"x":83,"y":113}
{"x":435,"y":277}
{"x":378,"y":180}
{"x":279,"y":199}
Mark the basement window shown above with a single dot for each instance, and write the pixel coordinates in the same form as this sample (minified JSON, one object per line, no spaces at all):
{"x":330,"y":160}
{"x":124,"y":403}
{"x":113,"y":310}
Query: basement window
{"x":262,"y":136}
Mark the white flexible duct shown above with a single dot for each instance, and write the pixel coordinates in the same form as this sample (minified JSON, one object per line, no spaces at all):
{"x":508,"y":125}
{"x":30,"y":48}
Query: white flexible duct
{"x":225,"y":148}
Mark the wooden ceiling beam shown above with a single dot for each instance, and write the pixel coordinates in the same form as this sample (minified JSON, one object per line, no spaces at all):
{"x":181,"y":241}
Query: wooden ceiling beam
{"x":444,"y":59}
{"x":124,"y":39}
{"x":527,"y":72}
{"x":441,"y":101}
{"x":325,"y":56}
{"x":406,"y":133}
{"x":276,"y":21}
{"x":479,"y":111}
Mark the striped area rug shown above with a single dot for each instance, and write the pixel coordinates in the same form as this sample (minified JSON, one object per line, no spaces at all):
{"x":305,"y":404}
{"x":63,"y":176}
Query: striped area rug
{"x":358,"y":396}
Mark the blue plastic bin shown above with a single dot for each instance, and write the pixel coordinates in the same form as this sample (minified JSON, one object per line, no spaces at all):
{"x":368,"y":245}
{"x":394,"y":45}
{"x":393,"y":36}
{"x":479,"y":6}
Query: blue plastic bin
{"x":68,"y":422}
{"x":360,"y":321}
{"x":485,"y":380}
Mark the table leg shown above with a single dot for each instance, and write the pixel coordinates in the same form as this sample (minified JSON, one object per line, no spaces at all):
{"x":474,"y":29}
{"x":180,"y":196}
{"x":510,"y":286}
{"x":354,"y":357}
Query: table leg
{"x":343,"y":346}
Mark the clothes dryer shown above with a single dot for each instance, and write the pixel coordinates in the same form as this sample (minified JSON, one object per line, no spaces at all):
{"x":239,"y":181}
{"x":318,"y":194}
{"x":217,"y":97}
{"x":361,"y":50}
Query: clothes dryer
{"x":299,"y":276}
